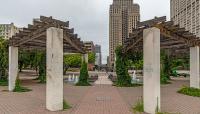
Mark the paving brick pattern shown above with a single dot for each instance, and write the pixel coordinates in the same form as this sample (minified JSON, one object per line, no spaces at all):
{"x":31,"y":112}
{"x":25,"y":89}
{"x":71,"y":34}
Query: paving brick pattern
{"x":98,"y":99}
{"x":171,"y":101}
{"x":34,"y":102}
{"x":103,"y":99}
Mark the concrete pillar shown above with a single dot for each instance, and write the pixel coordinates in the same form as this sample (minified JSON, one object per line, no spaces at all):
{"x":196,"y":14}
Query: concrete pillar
{"x":13,"y":67}
{"x":54,"y":86}
{"x":85,"y":57}
{"x":76,"y":79}
{"x":69,"y":78}
{"x":73,"y":77}
{"x":151,"y":88}
{"x":194,"y":67}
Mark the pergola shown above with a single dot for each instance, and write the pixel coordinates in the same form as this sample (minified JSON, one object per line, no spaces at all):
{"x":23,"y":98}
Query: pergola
{"x":149,"y":38}
{"x":55,"y":37}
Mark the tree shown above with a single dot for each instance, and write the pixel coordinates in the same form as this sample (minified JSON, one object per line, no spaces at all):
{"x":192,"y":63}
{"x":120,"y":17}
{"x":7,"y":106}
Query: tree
{"x":3,"y":58}
{"x":83,"y":79}
{"x":123,"y":78}
{"x":24,"y":60}
{"x":91,"y":57}
{"x":73,"y":60}
{"x":41,"y":62}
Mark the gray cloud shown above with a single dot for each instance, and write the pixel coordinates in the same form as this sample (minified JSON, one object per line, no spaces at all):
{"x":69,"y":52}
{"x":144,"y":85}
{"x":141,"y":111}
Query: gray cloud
{"x":88,"y":17}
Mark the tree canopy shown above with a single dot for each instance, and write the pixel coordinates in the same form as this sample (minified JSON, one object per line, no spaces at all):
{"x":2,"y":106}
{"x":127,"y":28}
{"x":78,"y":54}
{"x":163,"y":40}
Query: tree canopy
{"x":75,"y":60}
{"x":3,"y":58}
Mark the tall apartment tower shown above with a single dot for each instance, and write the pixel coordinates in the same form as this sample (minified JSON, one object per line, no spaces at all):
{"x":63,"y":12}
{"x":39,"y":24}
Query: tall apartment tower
{"x":124,"y":15}
{"x":186,"y":13}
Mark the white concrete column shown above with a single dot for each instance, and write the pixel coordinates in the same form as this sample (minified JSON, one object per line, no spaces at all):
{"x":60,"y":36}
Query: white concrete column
{"x":194,"y":67}
{"x":151,"y":88}
{"x":73,"y":77}
{"x":54,"y":86}
{"x":13,"y":67}
{"x":85,"y":57}
{"x":76,"y":79}
{"x":69,"y":78}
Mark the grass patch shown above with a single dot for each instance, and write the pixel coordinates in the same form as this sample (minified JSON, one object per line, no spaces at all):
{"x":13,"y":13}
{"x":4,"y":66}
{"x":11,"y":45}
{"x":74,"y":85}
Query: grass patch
{"x":66,"y":105}
{"x":139,"y":107}
{"x":3,"y":82}
{"x":190,"y":91}
{"x":19,"y":88}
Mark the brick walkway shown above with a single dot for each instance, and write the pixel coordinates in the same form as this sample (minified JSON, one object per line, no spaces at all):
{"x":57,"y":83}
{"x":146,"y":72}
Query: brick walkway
{"x":99,"y":99}
{"x":34,"y":102}
{"x":103,"y":79}
{"x":171,"y":101}
{"x":102,"y":99}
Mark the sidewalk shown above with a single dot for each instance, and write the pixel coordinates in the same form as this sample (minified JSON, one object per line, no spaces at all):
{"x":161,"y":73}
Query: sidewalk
{"x":103,"y":79}
{"x":102,"y":99}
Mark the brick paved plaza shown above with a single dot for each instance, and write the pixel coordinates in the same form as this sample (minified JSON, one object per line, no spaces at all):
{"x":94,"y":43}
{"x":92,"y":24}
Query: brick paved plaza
{"x":98,"y":99}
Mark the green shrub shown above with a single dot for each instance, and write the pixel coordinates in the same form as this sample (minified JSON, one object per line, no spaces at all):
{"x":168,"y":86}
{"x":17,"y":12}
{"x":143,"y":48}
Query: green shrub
{"x":163,"y":78}
{"x":3,"y":82}
{"x":190,"y":91}
{"x":19,"y":88}
{"x":123,"y":78}
{"x":83,"y":79}
{"x":42,"y":68}
{"x":66,"y":105}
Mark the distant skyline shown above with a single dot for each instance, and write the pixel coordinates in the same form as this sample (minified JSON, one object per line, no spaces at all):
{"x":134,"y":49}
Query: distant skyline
{"x":90,"y":18}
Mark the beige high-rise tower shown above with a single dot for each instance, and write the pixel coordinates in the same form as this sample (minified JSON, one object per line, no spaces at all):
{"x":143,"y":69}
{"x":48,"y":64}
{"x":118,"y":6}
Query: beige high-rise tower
{"x":186,"y":13}
{"x":124,"y":15}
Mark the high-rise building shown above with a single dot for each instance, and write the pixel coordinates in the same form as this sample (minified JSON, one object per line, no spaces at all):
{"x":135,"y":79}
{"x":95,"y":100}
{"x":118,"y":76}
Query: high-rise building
{"x":186,"y":13}
{"x":98,"y":57}
{"x":8,"y":30}
{"x":89,"y":46}
{"x":124,"y":15}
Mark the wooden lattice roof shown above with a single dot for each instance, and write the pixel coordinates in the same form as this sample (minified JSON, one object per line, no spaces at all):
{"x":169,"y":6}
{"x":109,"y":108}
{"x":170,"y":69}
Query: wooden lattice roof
{"x":173,"y":37}
{"x":34,"y":36}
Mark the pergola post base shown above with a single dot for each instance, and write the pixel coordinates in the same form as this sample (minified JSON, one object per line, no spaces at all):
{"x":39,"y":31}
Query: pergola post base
{"x":54,"y":86}
{"x":151,"y":88}
{"x":194,"y":67}
{"x":13,"y":67}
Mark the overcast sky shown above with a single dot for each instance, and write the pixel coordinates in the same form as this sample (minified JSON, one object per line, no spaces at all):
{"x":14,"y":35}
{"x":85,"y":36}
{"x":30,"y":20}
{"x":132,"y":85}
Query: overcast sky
{"x":89,"y":17}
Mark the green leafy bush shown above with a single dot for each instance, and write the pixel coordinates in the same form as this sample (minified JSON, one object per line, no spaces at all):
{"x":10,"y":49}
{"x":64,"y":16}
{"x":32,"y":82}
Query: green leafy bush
{"x":83,"y":79}
{"x":123,"y":78}
{"x":72,"y":60}
{"x":19,"y":88}
{"x":163,"y":78}
{"x":42,"y":67}
{"x":3,"y":58}
{"x":3,"y":82}
{"x":190,"y":91}
{"x":91,"y":57}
